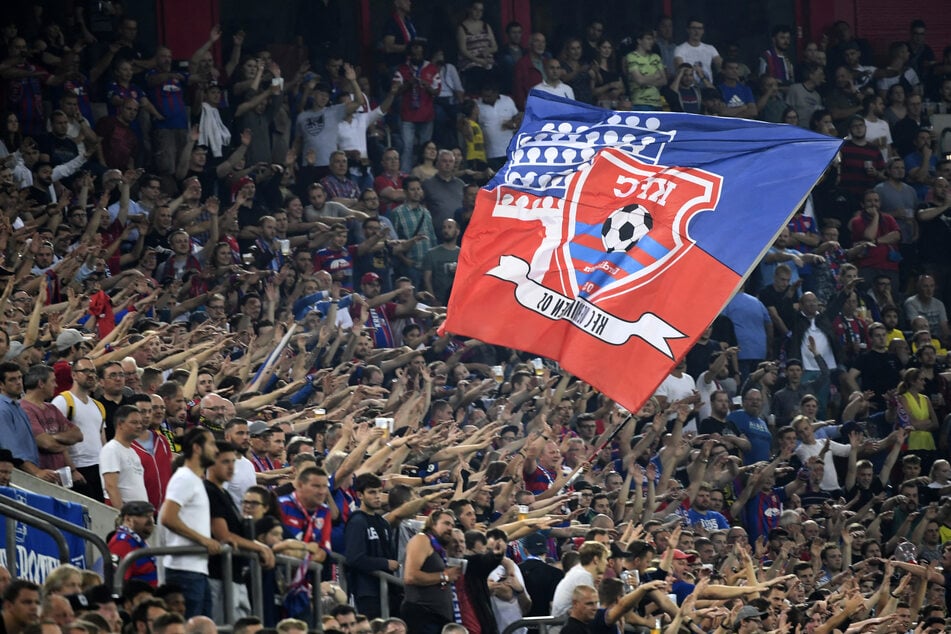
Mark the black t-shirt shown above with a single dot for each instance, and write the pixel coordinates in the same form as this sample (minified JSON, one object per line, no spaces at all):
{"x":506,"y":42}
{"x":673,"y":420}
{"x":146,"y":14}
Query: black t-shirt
{"x":711,"y":425}
{"x":865,"y":495}
{"x":879,"y":373}
{"x":781,"y":301}
{"x":111,"y":408}
{"x":698,"y":359}
{"x":574,"y":626}
{"x":222,"y":505}
{"x":540,"y":579}
{"x":934,"y":236}
{"x":599,"y":626}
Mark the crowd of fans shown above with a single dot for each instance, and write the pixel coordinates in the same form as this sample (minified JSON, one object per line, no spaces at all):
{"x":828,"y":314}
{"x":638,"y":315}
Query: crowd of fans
{"x":222,"y":290}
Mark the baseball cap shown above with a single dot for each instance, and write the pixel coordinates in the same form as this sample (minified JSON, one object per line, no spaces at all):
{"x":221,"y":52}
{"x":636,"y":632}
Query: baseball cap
{"x":100,"y":595}
{"x":68,"y":338}
{"x":535,"y":544}
{"x":779,"y":531}
{"x":16,"y":349}
{"x":747,"y":612}
{"x":257,"y":428}
{"x":679,"y":554}
{"x":369,"y":277}
{"x":139,"y":507}
{"x":294,"y":442}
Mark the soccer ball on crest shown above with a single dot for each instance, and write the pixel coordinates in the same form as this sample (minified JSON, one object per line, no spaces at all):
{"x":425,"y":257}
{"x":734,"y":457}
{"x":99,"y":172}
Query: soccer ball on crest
{"x":624,"y":227}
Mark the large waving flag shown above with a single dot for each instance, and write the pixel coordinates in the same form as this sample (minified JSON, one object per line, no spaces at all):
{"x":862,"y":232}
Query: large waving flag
{"x":610,"y":240}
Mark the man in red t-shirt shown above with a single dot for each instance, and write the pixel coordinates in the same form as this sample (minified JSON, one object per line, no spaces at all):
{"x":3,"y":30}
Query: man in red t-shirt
{"x":419,"y":85}
{"x":881,"y":233}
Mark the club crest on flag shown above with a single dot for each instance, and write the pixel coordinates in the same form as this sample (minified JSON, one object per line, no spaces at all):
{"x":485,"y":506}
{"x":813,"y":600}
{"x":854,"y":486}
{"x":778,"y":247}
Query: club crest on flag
{"x":616,"y":218}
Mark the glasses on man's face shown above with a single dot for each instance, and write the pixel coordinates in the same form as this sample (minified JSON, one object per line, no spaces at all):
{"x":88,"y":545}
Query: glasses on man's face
{"x":251,"y":503}
{"x":115,"y":375}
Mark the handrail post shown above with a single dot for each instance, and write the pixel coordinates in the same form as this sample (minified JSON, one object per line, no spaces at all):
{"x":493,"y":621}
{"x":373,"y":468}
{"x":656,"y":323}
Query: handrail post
{"x":227,"y":583}
{"x":315,"y":595}
{"x":257,"y":588}
{"x":12,"y":545}
{"x":384,"y":598}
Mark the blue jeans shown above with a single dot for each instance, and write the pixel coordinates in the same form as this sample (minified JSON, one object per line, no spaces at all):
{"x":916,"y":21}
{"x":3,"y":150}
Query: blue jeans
{"x":414,"y":134}
{"x":195,"y":587}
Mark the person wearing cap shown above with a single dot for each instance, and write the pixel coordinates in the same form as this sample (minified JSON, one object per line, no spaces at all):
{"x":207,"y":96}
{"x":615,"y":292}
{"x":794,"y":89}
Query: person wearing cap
{"x":541,"y":578}
{"x":70,"y":345}
{"x":749,"y":620}
{"x":266,"y":471}
{"x":105,"y":603}
{"x":15,"y":431}
{"x":138,"y":522}
{"x":316,"y":136}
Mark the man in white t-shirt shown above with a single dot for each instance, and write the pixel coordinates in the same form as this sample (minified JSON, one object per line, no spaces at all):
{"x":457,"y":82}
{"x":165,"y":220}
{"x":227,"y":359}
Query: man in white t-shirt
{"x":552,"y":83}
{"x":236,"y":432}
{"x":80,"y":408}
{"x":121,"y":470}
{"x":506,"y":586}
{"x":186,"y":517}
{"x":593,"y":562}
{"x":499,"y":119}
{"x":703,"y":57}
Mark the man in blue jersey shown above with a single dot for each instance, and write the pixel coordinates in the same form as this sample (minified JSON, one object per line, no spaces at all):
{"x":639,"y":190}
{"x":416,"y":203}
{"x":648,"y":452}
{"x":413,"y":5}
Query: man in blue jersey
{"x":754,"y":428}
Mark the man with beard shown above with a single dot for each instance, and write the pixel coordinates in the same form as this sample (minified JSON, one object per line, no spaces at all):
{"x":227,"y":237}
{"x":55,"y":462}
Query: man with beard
{"x":700,"y":513}
{"x":236,"y":433}
{"x":186,"y":514}
{"x":79,"y":407}
{"x":138,"y":522}
{"x":213,"y":413}
{"x":718,"y":423}
{"x":428,"y":604}
{"x":369,"y":546}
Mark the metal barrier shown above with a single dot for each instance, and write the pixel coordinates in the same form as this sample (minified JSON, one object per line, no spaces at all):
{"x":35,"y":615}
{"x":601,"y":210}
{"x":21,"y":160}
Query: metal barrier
{"x":531,"y":621}
{"x":14,"y":516}
{"x":227,"y":585}
{"x":386,"y":579}
{"x":316,"y":570}
{"x":29,"y":515}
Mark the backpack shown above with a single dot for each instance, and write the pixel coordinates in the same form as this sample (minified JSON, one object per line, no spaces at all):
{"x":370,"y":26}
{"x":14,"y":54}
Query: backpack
{"x":68,"y":397}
